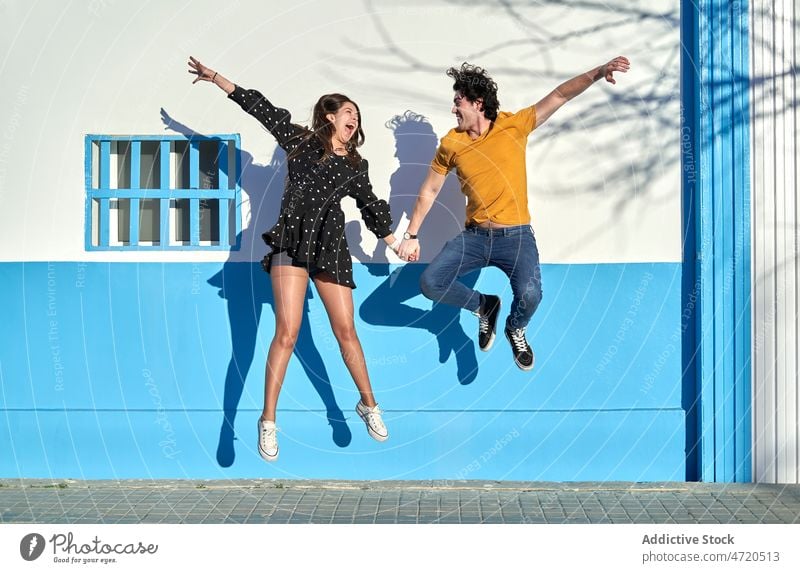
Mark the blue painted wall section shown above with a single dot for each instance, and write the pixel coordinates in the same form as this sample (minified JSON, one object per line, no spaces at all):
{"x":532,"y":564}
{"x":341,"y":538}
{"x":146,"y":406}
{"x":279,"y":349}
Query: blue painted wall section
{"x":116,"y":370}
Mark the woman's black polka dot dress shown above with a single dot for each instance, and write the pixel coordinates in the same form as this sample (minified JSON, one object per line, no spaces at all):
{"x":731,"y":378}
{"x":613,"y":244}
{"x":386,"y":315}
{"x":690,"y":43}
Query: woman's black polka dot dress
{"x":310,"y":226}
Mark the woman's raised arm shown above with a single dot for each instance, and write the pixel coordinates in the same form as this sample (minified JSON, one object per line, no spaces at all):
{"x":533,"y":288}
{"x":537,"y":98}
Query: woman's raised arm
{"x":278,"y":121}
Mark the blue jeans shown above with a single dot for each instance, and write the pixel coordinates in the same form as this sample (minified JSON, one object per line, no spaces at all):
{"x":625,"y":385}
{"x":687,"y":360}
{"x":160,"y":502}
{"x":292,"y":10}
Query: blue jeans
{"x":511,"y":249}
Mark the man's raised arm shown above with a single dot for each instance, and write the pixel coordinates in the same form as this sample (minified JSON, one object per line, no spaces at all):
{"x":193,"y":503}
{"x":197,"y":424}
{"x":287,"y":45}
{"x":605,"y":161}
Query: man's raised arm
{"x":577,"y":85}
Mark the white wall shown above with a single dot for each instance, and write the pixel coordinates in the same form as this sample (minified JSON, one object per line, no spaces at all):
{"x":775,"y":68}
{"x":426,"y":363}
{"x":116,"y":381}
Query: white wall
{"x":775,"y":264}
{"x":604,"y":173}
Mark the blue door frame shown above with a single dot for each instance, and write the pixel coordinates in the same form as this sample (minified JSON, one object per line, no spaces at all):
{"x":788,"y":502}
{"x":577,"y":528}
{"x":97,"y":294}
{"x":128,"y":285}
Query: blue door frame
{"x":715,"y":161}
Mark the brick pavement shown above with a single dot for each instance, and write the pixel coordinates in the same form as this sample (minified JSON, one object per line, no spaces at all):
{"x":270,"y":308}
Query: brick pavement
{"x":277,"y":501}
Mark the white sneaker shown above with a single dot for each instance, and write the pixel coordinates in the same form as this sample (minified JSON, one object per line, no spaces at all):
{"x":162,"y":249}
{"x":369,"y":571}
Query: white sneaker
{"x":267,"y":440}
{"x":372,"y":418}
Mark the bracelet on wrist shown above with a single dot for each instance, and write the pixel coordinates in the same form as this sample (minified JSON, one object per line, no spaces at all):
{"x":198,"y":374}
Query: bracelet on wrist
{"x":213,"y":77}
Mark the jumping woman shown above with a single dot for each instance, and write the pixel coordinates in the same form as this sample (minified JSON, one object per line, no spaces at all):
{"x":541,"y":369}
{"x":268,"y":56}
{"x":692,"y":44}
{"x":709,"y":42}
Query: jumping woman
{"x":308,"y":239}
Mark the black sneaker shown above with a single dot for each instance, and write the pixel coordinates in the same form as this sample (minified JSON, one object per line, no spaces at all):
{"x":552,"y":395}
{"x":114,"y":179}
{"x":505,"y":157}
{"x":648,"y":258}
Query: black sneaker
{"x":523,"y":353}
{"x":487,"y":320}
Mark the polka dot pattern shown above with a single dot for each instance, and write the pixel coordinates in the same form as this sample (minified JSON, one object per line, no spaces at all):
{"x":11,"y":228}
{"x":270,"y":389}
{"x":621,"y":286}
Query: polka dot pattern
{"x":310,"y":227}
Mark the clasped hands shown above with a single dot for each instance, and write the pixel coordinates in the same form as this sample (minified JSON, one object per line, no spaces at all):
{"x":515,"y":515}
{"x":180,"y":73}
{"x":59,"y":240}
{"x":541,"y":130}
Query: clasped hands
{"x":406,"y":249}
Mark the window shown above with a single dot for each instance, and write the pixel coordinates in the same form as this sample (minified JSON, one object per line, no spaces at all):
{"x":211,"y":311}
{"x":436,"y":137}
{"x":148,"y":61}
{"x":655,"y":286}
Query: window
{"x":163,"y":193}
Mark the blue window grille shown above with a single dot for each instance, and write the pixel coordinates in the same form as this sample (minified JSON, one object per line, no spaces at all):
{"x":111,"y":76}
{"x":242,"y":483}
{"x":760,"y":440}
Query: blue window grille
{"x":162,"y":192}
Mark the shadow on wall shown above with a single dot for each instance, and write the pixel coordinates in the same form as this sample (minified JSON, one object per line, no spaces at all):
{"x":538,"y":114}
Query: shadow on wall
{"x":246,"y":288}
{"x":537,"y":33}
{"x":415,"y":145}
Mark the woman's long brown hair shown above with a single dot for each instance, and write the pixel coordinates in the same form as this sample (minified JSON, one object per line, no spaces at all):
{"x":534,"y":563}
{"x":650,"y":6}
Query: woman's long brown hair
{"x":323,"y":129}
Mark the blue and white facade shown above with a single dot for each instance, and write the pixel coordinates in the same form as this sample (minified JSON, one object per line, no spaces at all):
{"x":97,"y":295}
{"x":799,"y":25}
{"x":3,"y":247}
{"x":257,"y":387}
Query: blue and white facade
{"x":136,"y":316}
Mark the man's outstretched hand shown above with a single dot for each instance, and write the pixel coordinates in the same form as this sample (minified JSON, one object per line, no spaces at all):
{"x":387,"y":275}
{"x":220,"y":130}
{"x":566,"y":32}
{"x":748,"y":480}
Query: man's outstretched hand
{"x":618,"y":64}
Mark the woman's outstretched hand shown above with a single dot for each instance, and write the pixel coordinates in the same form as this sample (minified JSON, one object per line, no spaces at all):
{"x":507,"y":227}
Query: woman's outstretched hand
{"x":202,"y":72}
{"x":206,"y":74}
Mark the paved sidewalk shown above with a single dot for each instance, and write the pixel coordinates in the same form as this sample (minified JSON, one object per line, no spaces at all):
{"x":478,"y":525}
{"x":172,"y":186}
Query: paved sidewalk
{"x":275,"y":501}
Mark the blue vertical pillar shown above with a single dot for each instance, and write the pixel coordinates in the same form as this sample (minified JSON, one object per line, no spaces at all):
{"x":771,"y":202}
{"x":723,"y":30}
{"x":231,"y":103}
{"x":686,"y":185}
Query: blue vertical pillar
{"x":717,"y":257}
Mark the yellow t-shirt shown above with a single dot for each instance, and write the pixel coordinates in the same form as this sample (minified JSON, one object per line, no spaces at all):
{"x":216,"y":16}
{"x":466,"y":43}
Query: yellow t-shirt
{"x":491,"y":169}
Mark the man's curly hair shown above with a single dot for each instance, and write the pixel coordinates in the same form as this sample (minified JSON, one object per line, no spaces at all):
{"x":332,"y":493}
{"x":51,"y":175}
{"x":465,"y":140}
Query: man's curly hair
{"x":474,"y":83}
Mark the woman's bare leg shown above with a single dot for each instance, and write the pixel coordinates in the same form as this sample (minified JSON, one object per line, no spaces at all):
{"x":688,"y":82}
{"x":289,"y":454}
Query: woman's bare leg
{"x":338,"y":301}
{"x":289,"y":286}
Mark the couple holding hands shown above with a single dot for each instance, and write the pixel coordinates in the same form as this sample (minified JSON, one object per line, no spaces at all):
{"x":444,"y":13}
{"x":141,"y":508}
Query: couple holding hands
{"x":487,"y":150}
